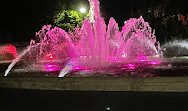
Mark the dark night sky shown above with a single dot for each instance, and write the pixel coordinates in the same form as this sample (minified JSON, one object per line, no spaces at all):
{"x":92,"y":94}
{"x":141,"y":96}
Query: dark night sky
{"x":22,"y":18}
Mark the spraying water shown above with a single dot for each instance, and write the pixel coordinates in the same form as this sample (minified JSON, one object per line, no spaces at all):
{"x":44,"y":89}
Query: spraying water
{"x":18,"y":58}
{"x":101,"y":45}
{"x":97,"y":45}
{"x":176,"y":48}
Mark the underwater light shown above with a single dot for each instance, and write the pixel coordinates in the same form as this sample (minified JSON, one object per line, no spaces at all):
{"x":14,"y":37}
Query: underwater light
{"x":49,"y":56}
{"x":131,"y":66}
{"x":142,"y":59}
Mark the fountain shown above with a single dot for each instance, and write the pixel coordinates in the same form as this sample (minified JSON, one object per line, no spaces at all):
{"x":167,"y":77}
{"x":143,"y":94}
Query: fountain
{"x":95,"y":47}
{"x":176,"y":48}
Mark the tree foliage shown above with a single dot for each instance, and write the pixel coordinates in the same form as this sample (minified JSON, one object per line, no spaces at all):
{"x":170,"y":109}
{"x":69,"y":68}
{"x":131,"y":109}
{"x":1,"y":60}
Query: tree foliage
{"x":68,"y":19}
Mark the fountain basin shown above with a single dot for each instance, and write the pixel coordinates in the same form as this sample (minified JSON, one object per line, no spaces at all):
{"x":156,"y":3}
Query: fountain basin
{"x":168,"y":67}
{"x":170,"y":75}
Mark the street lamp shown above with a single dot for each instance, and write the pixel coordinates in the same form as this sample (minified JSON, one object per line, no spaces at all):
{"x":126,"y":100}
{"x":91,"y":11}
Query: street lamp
{"x":83,"y":11}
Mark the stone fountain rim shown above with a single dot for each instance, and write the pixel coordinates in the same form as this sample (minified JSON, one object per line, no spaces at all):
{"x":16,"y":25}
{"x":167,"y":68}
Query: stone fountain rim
{"x":130,"y":84}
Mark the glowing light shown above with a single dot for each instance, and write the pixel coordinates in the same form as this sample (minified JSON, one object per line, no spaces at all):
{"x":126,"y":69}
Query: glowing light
{"x":142,"y":59}
{"x":83,"y":57}
{"x":77,"y":68}
{"x":69,"y":64}
{"x":107,"y":108}
{"x":50,"y":69}
{"x":131,"y":66}
{"x":124,"y":55}
{"x":49,"y":56}
{"x":49,"y":65}
{"x":82,"y":10}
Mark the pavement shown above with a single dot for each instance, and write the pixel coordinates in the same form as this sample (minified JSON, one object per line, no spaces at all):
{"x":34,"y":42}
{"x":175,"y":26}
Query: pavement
{"x":50,"y":100}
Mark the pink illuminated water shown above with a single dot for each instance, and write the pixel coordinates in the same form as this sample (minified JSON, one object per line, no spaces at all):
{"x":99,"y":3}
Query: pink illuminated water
{"x":154,"y":63}
{"x":131,"y":66}
{"x":7,"y":52}
{"x":96,"y":45}
{"x":50,"y":67}
{"x":142,"y":59}
{"x":77,"y":68}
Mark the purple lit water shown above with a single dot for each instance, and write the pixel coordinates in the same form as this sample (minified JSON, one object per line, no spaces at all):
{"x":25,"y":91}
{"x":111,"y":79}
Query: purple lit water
{"x":95,"y":46}
{"x":102,"y":45}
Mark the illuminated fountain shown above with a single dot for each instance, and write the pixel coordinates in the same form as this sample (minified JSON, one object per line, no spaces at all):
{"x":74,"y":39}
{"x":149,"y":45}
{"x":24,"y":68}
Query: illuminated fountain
{"x":95,"y":47}
{"x":101,"y":46}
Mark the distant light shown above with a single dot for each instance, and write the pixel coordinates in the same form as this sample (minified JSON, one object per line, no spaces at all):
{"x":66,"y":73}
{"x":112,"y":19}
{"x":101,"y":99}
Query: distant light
{"x":107,"y":108}
{"x":82,"y":10}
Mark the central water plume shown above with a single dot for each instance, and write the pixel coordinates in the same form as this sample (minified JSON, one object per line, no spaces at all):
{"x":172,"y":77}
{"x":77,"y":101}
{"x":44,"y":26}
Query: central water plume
{"x":101,"y":45}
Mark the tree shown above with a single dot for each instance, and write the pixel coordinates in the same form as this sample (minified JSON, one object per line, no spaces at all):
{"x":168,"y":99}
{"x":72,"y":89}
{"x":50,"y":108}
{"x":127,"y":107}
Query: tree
{"x":68,"y":19}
